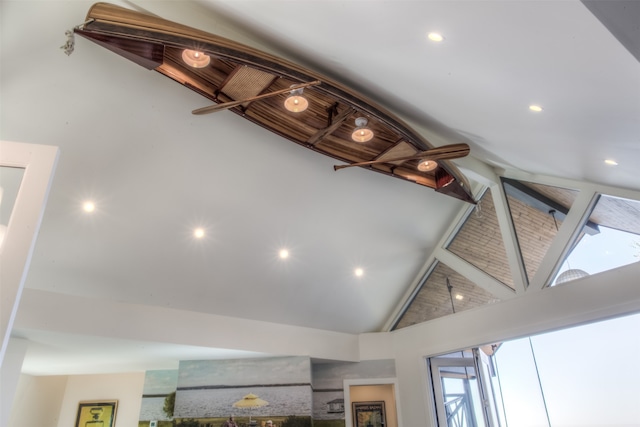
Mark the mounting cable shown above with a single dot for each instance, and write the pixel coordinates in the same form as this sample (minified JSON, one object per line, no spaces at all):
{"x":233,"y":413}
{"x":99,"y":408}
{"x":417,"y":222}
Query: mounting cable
{"x":544,"y":400}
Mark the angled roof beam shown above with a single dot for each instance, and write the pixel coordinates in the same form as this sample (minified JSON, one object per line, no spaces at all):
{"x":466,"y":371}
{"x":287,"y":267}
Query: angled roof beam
{"x":429,"y":263}
{"x":509,"y":238}
{"x":561,"y":244}
{"x":474,"y":274}
{"x":535,"y":199}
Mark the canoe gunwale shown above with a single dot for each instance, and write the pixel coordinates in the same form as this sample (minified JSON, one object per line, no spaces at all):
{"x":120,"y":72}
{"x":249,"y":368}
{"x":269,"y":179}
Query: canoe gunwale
{"x":330,"y":88}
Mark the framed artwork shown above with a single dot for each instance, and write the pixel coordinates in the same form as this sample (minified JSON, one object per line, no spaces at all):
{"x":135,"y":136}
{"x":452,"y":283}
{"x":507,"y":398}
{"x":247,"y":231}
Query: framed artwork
{"x":369,"y":414}
{"x":97,"y":413}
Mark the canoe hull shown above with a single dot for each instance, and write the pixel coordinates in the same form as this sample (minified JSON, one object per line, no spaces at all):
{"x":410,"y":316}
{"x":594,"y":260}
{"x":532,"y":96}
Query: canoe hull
{"x":238,"y":72}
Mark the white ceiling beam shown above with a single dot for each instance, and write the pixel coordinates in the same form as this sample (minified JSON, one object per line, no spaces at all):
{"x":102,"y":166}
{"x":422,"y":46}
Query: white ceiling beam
{"x":572,"y":225}
{"x":39,"y":164}
{"x":509,"y":238}
{"x":598,"y":297}
{"x":428,"y":264}
{"x":560,"y":246}
{"x":478,"y":170}
{"x":474,"y":274}
{"x":410,"y":293}
{"x":627,"y":193}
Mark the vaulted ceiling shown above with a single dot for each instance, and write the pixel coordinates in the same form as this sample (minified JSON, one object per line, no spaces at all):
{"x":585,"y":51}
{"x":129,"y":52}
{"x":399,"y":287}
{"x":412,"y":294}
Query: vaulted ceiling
{"x":155,"y":172}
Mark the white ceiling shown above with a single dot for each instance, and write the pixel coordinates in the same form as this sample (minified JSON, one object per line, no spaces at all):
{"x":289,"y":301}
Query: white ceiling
{"x":128,"y":141}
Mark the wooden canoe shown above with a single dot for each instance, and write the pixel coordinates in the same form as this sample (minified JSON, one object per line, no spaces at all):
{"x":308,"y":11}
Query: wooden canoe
{"x":237,"y":72}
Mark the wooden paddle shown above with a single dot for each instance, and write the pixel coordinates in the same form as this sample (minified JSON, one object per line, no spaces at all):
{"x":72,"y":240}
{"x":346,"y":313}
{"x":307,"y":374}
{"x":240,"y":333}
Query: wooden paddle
{"x":453,"y":151}
{"x":231,"y":104}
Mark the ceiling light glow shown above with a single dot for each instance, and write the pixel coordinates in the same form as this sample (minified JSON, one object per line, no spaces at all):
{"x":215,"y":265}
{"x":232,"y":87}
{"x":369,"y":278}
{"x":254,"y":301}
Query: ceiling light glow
{"x":284,"y":254}
{"x":427,"y":165}
{"x":295,"y":102}
{"x":359,"y":272}
{"x":435,"y":37}
{"x":611,"y":162}
{"x":362,"y":133}
{"x":459,"y":297}
{"x":195,"y":59}
{"x":89,"y":206}
{"x":535,"y":108}
{"x":198,"y":233}
{"x":3,"y":231}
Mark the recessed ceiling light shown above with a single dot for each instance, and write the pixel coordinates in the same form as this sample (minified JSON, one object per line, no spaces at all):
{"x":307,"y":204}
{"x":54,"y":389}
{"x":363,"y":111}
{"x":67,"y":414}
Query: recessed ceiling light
{"x":535,"y":108}
{"x":611,"y":162}
{"x":198,"y":233}
{"x":284,"y":253}
{"x":459,"y":297}
{"x":89,"y":206}
{"x":435,"y":37}
{"x":359,"y":272}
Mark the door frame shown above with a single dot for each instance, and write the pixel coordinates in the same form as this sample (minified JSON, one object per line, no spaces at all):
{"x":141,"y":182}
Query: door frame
{"x":348,"y":414}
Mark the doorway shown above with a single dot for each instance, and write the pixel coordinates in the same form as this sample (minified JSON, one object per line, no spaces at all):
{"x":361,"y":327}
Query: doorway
{"x":462,"y":389}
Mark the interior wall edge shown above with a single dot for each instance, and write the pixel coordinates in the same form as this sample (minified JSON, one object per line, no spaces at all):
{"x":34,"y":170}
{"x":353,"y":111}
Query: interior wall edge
{"x":40,"y":311}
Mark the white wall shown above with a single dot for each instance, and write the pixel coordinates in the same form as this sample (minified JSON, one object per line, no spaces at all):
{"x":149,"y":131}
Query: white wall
{"x":10,"y":376}
{"x":125,"y":388}
{"x":38,"y":401}
{"x":40,"y":310}
{"x":53,"y":400}
{"x":597,"y":297}
{"x":375,"y":346}
{"x":601,"y":296}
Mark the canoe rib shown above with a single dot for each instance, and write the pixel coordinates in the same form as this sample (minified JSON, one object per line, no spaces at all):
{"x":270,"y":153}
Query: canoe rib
{"x":155,"y":43}
{"x":336,"y":122}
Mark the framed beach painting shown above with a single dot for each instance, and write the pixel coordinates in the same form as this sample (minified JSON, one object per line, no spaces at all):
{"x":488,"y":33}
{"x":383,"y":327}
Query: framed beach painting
{"x":369,"y":414}
{"x":97,"y":413}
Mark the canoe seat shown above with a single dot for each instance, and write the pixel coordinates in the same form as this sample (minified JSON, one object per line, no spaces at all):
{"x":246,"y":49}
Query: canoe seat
{"x":244,"y":82}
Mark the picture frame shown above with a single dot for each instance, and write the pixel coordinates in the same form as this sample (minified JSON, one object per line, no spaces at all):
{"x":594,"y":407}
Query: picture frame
{"x":97,"y":413}
{"x":369,"y":414}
